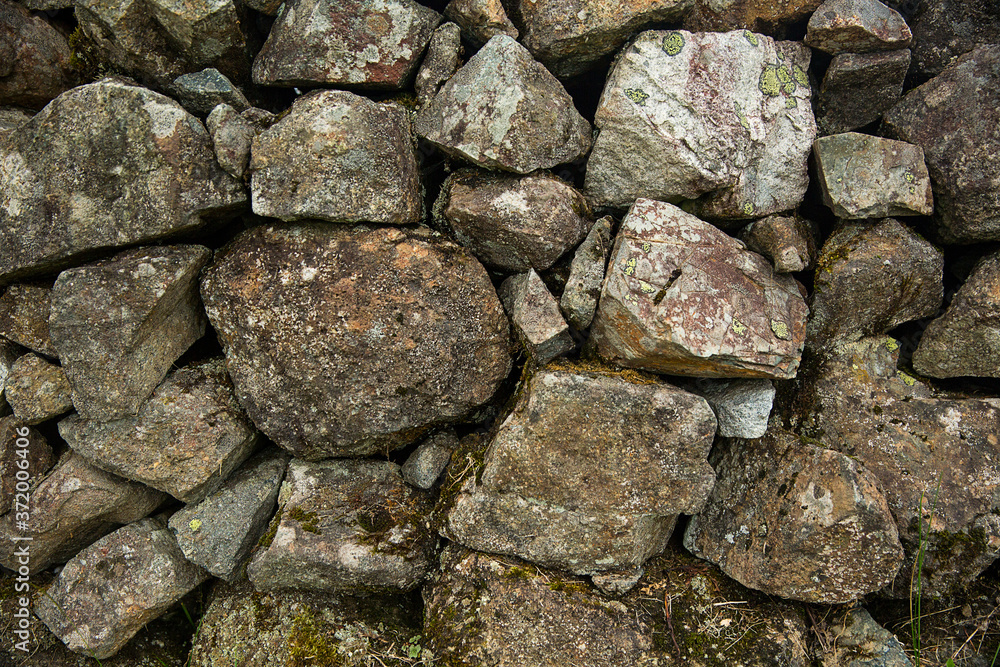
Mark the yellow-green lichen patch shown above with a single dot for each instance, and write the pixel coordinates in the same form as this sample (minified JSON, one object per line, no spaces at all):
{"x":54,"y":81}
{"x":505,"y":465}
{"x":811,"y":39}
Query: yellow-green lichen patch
{"x":194,"y":525}
{"x":769,"y":83}
{"x":786,"y":80}
{"x":750,"y":37}
{"x":637,"y":95}
{"x":738,"y":327}
{"x":791,"y":103}
{"x":742,"y":116}
{"x":673,"y":43}
{"x":780,"y":329}
{"x":308,"y":645}
{"x":646,"y":287}
{"x":748,"y":208}
{"x":800,"y":76}
{"x":908,"y":380}
{"x":647,"y":246}
{"x":628,"y":266}
{"x":891,"y":344}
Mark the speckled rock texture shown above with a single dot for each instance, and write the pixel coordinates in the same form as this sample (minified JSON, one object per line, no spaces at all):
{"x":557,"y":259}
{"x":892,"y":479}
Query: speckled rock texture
{"x":583,"y":287}
{"x":946,"y":29}
{"x":24,"y":317}
{"x":742,"y":407}
{"x":857,"y":26}
{"x":232,"y":137}
{"x":861,"y":642}
{"x":70,"y":186}
{"x":351,"y":526}
{"x":503,"y":110}
{"x":858,"y":88}
{"x":870,"y":177}
{"x":120,"y":323}
{"x":107,"y":592}
{"x":770,"y":17}
{"x":425,"y":466}
{"x":721,"y":118}
{"x":9,"y":352}
{"x":20,"y":442}
{"x":660,"y":309}
{"x":444,"y":56}
{"x":352,"y":160}
{"x":37,"y":390}
{"x":480,"y":20}
{"x":536,"y":319}
{"x":34,"y":59}
{"x":589,"y":494}
{"x":200,"y":92}
{"x":798,"y":521}
{"x":788,"y":240}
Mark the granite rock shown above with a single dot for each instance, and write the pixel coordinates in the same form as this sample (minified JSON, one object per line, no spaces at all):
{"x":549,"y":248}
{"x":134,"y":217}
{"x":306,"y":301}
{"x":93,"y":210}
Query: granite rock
{"x":35,"y":59}
{"x":232,"y":137}
{"x":23,"y":450}
{"x":861,"y":642}
{"x":788,"y":240}
{"x":37,"y":390}
{"x":9,"y":352}
{"x":943,"y":30}
{"x":444,"y":56}
{"x":742,"y":407}
{"x":480,"y":20}
{"x":200,"y":92}
{"x":24,"y":317}
{"x":769,"y":17}
{"x":583,"y":287}
{"x":858,"y":88}
{"x":857,"y":26}
{"x":425,"y":466}
{"x":536,"y":319}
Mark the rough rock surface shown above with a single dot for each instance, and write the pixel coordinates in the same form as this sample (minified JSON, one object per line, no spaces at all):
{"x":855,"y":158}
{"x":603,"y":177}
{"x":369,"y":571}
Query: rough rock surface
{"x":37,"y":390}
{"x":120,"y":323}
{"x":797,"y":521}
{"x":536,"y":318}
{"x":504,"y":110}
{"x":72,"y":506}
{"x":70,"y":186}
{"x":857,"y":26}
{"x":660,"y":308}
{"x":200,"y":92}
{"x":12,"y":118}
{"x":965,"y":340}
{"x":219,"y":532}
{"x":788,"y":240}
{"x":9,"y":352}
{"x":414,"y":334}
{"x":742,"y":407}
{"x":351,"y":160}
{"x":24,"y":317}
{"x":770,"y":17}
{"x":872,"y":278}
{"x":423,"y":468}
{"x":20,"y":442}
{"x":513,"y":223}
{"x":583,"y":287}
{"x":861,"y":642}
{"x":870,"y":177}
{"x":858,"y":88}
{"x":370,"y":43}
{"x":954,"y":118}
{"x":946,"y":29}
{"x":724,"y":118}
{"x":34,"y":58}
{"x":480,"y":20}
{"x":232,"y":137}
{"x":588,"y":473}
{"x":185,"y":439}
{"x":444,"y":56}
{"x":346,"y":526}
{"x":107,"y":592}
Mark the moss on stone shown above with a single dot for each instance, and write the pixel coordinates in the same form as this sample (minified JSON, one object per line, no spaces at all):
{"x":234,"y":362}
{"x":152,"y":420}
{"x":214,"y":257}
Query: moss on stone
{"x":307,"y":520}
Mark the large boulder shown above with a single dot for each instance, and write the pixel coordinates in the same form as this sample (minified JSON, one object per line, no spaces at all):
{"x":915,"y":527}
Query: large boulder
{"x":35,"y":59}
{"x":946,"y":29}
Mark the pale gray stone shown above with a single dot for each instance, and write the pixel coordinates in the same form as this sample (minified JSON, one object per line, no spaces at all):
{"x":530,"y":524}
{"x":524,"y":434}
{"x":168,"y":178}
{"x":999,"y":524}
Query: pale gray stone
{"x":742,"y":407}
{"x":858,"y":641}
{"x":534,"y":312}
{"x":232,"y":137}
{"x":586,"y":275}
{"x":423,"y":468}
{"x":9,"y":352}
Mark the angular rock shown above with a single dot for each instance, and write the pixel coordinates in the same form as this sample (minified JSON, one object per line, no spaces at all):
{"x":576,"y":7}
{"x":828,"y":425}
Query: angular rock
{"x":858,"y":88}
{"x":120,"y":323}
{"x":789,"y":241}
{"x":219,"y":532}
{"x":857,"y":26}
{"x":742,"y":407}
{"x":482,"y":610}
{"x":946,"y":29}
{"x":965,"y":340}
{"x":200,"y":92}
{"x":662,"y":307}
{"x":70,"y":186}
{"x":504,"y":110}
{"x":426,"y":464}
{"x":71,"y":507}
{"x":109,"y":591}
{"x":444,"y":55}
{"x":590,"y":494}
{"x":861,"y":642}
{"x":34,"y":58}
{"x":350,"y":526}
{"x":953,"y":118}
{"x":37,"y":390}
{"x":370,"y":43}
{"x":204,"y":33}
{"x":513,"y":223}
{"x":352,"y":160}
{"x":534,"y":312}
{"x":797,"y":521}
{"x":12,"y":118}
{"x":723,"y":118}
{"x":480,"y":20}
{"x":22,"y":449}
{"x":232,"y":136}
{"x":185,"y":439}
{"x":586,"y":274}
{"x":869,"y":177}
{"x":9,"y":352}
{"x":571,"y":36}
{"x":413,"y":334}
{"x":24,"y":317}
{"x":769,"y":17}
{"x":872,"y":278}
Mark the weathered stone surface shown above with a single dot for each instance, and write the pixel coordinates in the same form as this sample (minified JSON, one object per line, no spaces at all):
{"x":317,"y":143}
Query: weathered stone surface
{"x":489,"y":612}
{"x":266,"y":7}
{"x":370,"y":43}
{"x":200,"y":92}
{"x":413,"y":334}
{"x":788,"y":240}
{"x":24,"y":317}
{"x":965,"y":340}
{"x":571,"y":36}
{"x":724,"y":118}
{"x":72,"y":506}
{"x":352,"y":160}
{"x":504,"y":110}
{"x":861,"y":642}
{"x":588,"y":494}
{"x":770,"y":17}
{"x":185,"y":439}
{"x":583,"y":287}
{"x":797,"y":521}
{"x":9,"y":352}
{"x":444,"y":55}
{"x":22,"y":448}
{"x":858,"y":88}
{"x":857,"y":26}
{"x":120,"y":323}
{"x":232,"y":136}
{"x":872,"y":278}
{"x":12,"y":118}
{"x":946,"y":29}
{"x":69,"y":184}
{"x":424,"y":467}
{"x":34,"y":58}
{"x":953,"y":118}
{"x":513,"y":223}
{"x":535,"y":315}
{"x":37,"y":390}
{"x":661,"y":306}
{"x":870,"y":177}
{"x":219,"y":532}
{"x":742,"y":407}
{"x":480,"y":20}
{"x":347,"y":526}
{"x":106,"y":593}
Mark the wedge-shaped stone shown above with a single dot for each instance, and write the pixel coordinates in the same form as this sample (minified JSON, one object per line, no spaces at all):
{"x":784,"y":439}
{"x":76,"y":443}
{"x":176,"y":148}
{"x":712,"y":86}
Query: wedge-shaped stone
{"x":857,"y":26}
{"x":586,"y":275}
{"x":743,"y":407}
{"x":444,"y":56}
{"x":768,"y":17}
{"x":684,"y":298}
{"x":37,"y":390}
{"x":534,"y":312}
{"x":789,"y":240}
